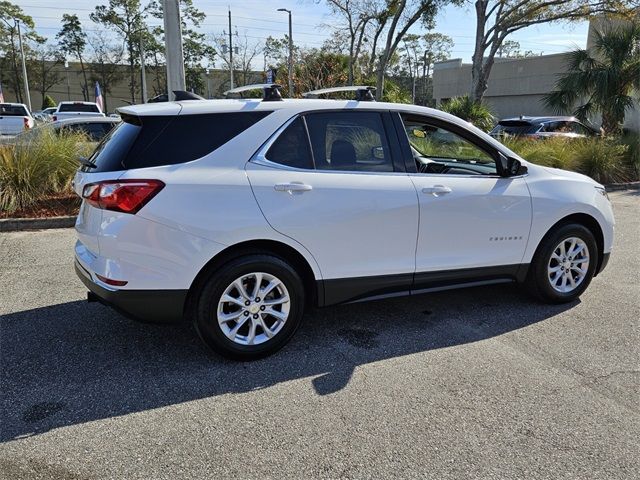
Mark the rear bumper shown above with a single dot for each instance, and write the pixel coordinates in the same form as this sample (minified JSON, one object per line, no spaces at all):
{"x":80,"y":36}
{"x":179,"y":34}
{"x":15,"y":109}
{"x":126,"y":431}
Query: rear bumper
{"x":162,"y":306}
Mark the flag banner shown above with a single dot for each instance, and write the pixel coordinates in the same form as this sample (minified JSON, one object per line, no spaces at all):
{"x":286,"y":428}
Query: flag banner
{"x":99,"y":101}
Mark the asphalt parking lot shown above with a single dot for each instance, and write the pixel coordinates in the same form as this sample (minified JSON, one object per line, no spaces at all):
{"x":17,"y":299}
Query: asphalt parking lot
{"x":477,"y":383}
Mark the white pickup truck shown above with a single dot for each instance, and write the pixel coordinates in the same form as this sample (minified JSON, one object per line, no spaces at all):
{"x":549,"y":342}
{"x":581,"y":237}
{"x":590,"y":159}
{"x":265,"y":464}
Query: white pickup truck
{"x":14,"y":118}
{"x":75,"y":109}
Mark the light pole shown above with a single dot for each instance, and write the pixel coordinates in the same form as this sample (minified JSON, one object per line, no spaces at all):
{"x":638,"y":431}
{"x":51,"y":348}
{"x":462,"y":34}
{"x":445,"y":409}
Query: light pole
{"x":173,"y":47}
{"x":24,"y":68}
{"x":230,"y":51}
{"x":290,"y":52}
{"x":66,"y":68}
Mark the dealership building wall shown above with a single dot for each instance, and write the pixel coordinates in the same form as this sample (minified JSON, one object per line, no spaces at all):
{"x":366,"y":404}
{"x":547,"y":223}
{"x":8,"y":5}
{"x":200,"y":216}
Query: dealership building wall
{"x":516,"y":86}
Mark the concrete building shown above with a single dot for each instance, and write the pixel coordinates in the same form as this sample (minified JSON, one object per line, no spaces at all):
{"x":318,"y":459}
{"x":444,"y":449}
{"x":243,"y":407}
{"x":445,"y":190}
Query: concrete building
{"x":516,"y":85}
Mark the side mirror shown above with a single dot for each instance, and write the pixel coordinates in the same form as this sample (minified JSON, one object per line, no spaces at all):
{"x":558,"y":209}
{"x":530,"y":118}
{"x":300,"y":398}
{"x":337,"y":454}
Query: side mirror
{"x":510,"y":166}
{"x":377,"y":153}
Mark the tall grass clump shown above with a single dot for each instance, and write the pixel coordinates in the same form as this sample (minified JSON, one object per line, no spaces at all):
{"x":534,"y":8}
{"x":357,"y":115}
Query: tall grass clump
{"x":604,"y":160}
{"x":552,"y":152}
{"x":632,"y":141}
{"x":39,"y":166}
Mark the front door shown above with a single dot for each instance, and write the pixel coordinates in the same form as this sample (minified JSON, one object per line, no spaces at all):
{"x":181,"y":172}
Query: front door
{"x":473,"y":223}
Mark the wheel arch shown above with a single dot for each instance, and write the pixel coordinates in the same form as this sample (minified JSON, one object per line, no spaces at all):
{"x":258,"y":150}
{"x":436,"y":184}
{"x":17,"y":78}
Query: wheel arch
{"x":313,"y":289}
{"x":587,"y":221}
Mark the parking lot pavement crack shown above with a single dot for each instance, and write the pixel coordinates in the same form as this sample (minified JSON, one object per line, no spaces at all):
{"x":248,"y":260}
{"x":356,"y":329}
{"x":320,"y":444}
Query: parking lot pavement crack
{"x":543,"y":358}
{"x":616,"y":372}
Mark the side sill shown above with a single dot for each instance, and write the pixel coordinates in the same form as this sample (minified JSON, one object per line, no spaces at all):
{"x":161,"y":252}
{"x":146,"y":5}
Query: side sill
{"x":361,"y":289}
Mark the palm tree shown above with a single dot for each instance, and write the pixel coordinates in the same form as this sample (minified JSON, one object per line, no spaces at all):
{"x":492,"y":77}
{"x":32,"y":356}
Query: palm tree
{"x":477,"y":113}
{"x":602,"y":79}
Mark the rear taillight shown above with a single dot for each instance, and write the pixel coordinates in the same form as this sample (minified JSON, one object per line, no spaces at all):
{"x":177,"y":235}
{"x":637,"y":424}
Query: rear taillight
{"x":26,"y":123}
{"x":127,"y":196}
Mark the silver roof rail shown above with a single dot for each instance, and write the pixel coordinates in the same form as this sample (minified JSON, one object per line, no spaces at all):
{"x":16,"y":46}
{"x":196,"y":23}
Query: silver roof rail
{"x":364,"y":93}
{"x":271,"y":91}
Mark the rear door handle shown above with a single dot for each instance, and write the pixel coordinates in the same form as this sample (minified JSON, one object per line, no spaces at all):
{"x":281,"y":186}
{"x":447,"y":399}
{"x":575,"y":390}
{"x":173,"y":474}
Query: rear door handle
{"x":437,"y":190}
{"x":292,"y":187}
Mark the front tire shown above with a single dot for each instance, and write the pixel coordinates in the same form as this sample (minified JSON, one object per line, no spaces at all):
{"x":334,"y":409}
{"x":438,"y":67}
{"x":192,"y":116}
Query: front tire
{"x":563,"y":265}
{"x":250,"y":307}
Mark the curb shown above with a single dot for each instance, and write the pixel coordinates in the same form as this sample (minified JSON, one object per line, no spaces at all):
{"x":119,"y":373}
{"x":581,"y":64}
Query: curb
{"x":616,"y":187}
{"x":19,"y":224}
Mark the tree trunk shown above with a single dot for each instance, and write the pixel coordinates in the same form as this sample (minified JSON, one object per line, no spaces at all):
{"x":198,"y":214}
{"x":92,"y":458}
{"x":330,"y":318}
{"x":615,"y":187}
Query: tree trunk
{"x":85,"y":90}
{"x":610,"y":123}
{"x":18,"y":90}
{"x":478,"y":72}
{"x":132,"y":73}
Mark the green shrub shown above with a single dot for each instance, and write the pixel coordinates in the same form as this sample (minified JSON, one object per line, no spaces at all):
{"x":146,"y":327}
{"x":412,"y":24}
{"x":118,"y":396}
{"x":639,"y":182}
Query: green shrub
{"x":632,"y":158}
{"x":552,"y":152}
{"x":48,"y":102}
{"x":40,"y":166}
{"x":476,"y":113}
{"x":604,"y":160}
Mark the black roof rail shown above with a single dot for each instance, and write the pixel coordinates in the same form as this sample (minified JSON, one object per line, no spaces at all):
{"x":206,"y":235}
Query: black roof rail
{"x":184,"y":95}
{"x":364,"y":93}
{"x":271,"y":91}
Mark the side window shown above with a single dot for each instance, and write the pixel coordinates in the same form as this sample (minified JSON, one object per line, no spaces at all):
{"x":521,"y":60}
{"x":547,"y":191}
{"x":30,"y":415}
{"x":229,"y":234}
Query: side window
{"x":291,"y":148}
{"x":580,"y":129}
{"x":349,"y":141}
{"x":440,"y":150}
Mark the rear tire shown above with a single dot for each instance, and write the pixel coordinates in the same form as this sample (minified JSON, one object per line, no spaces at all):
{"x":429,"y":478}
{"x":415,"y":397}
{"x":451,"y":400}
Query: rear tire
{"x":250,"y":307}
{"x":563,"y":265}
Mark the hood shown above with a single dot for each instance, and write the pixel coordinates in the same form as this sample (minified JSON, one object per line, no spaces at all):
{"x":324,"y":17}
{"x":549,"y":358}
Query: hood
{"x":571,"y":175}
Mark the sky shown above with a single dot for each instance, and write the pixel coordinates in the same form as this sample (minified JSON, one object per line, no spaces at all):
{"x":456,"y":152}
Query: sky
{"x":259,"y":19}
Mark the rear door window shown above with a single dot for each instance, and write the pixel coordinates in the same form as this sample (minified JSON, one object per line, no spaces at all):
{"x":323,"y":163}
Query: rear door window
{"x":350,"y":141}
{"x":292,"y":148}
{"x":152,"y":141}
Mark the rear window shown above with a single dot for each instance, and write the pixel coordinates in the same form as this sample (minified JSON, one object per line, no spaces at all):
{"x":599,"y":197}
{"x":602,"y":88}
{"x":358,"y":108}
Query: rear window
{"x":515,"y":128}
{"x":13,"y":111}
{"x":78,"y":107}
{"x":152,"y":141}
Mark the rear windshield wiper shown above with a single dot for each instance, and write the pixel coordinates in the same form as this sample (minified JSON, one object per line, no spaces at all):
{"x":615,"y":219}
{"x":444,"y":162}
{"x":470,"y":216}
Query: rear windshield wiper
{"x":85,"y":162}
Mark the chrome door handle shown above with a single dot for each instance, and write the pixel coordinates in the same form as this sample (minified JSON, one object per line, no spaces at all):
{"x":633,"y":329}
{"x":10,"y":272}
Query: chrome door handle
{"x":292,"y":187}
{"x":437,"y":190}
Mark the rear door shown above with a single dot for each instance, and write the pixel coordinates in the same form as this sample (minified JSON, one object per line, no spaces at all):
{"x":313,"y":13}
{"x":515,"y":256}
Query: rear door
{"x":328,"y":180}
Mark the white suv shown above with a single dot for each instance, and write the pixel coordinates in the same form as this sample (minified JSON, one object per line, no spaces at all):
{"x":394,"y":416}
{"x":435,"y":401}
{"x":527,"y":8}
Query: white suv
{"x":239,"y":214}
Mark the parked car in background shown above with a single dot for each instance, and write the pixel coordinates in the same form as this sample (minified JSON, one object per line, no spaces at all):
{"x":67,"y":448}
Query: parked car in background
{"x":46,"y":114}
{"x":543,"y":127}
{"x":15,"y":118}
{"x":77,"y":109}
{"x":96,"y":128}
{"x":239,"y":214}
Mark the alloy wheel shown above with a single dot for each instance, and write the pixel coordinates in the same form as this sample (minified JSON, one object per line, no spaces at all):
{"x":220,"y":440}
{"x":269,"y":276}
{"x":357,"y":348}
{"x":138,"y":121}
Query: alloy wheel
{"x":568,"y":265}
{"x":253,"y":308}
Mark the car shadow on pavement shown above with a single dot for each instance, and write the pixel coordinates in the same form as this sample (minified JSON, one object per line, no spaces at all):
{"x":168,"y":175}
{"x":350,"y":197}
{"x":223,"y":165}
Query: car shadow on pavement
{"x":77,"y":362}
